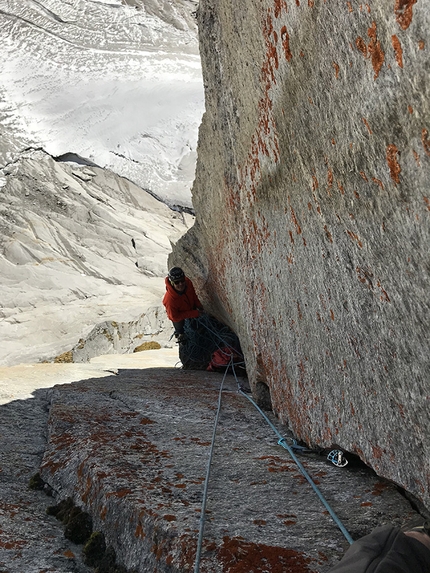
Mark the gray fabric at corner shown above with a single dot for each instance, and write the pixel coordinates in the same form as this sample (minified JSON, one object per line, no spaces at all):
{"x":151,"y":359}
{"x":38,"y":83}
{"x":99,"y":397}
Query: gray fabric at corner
{"x":385,"y":550}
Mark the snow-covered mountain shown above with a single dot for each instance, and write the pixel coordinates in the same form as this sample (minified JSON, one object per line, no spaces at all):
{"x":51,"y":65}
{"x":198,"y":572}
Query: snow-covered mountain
{"x":78,"y":247}
{"x":118,"y":83}
{"x":100,"y":103}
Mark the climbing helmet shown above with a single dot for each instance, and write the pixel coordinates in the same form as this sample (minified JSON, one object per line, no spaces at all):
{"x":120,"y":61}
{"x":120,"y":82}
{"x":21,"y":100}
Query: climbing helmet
{"x":176,"y":275}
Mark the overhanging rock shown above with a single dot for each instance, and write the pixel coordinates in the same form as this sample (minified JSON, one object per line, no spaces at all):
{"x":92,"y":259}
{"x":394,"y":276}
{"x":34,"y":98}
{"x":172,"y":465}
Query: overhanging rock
{"x":312,"y":229}
{"x":132,"y":450}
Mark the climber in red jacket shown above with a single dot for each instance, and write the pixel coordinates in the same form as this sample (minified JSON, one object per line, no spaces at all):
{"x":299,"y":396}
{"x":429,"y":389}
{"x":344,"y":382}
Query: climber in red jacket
{"x":180,"y":300}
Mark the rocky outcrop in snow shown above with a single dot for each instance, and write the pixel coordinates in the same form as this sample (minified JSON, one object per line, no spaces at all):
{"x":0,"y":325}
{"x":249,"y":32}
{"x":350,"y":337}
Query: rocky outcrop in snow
{"x":312,"y":230}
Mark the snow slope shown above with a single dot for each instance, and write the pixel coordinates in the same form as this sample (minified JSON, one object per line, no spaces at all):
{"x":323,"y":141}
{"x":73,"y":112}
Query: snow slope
{"x":117,"y":83}
{"x":95,"y":252}
{"x":117,"y":88}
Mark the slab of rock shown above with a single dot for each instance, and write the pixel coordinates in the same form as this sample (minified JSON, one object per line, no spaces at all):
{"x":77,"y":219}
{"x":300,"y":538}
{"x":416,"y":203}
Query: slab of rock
{"x":30,"y":540}
{"x":132,"y":450}
{"x":312,"y":229}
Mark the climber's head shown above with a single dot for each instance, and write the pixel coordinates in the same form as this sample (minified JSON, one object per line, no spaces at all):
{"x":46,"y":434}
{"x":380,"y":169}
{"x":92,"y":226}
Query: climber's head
{"x":177,"y":278}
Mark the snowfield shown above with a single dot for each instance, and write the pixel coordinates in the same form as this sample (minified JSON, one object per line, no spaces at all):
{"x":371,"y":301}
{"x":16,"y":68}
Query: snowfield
{"x":115,"y":83}
{"x":100,"y":103}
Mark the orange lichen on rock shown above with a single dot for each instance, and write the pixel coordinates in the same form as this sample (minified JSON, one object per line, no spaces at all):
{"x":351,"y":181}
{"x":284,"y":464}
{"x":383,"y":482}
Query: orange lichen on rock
{"x":377,"y":452}
{"x":329,"y":179}
{"x":328,"y":234}
{"x":354,"y":237}
{"x":379,"y":487}
{"x":425,"y":141}
{"x":336,"y":69}
{"x":238,"y":556}
{"x":361,"y":46}
{"x":294,"y":220}
{"x":372,"y":50}
{"x":375,"y":51}
{"x":15,"y":544}
{"x":398,"y":51}
{"x":378,"y":182}
{"x":393,"y":164}
{"x":139,"y":532}
{"x":384,"y":296}
{"x":403,"y":11}
{"x":366,"y":123}
{"x":264,"y":141}
{"x":279,"y":6}
{"x":285,"y":39}
{"x":120,"y":493}
{"x":314,"y":183}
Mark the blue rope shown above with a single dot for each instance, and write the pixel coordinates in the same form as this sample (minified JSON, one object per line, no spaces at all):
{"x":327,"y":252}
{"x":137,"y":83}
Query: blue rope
{"x":284,"y":444}
{"x":281,"y":441}
{"x":206,"y":486}
{"x":226,"y":344}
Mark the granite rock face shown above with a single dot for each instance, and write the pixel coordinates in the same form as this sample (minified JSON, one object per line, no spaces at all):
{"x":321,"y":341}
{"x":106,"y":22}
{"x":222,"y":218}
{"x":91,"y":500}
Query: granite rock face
{"x":312,"y":203}
{"x":30,"y":540}
{"x":132,"y":451}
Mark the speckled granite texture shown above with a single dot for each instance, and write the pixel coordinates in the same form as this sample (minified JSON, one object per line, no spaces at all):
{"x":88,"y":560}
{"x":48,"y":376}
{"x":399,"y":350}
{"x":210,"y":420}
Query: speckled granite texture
{"x":132,"y":450}
{"x":312,"y":230}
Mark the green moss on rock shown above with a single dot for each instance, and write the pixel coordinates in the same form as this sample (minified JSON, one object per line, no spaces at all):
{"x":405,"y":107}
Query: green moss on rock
{"x":79,"y":527}
{"x":36,"y":482}
{"x":78,"y":523}
{"x":62,"y":510}
{"x":94,"y":549}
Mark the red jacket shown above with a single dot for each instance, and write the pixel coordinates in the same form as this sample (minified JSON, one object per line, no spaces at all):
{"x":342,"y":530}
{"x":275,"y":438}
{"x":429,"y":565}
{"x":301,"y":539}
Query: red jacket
{"x":181,"y":305}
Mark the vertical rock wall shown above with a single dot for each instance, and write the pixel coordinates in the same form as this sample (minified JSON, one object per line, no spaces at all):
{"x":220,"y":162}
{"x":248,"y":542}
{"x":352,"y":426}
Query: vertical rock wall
{"x":312,"y":200}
